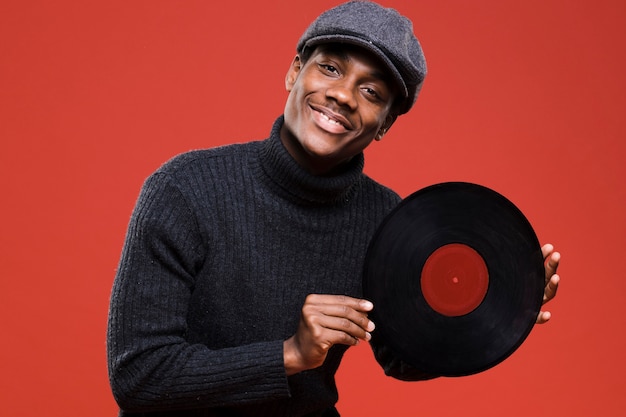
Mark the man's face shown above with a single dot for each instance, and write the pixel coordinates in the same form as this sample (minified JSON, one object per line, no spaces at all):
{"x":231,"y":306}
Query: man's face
{"x":339,"y":100}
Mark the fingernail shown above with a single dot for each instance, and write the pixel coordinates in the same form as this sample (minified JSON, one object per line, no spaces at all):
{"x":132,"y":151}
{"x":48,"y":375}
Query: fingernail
{"x":367,"y":305}
{"x":370,"y":326}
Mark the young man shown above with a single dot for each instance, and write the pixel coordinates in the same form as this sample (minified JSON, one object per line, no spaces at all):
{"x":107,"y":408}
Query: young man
{"x":238,"y":288}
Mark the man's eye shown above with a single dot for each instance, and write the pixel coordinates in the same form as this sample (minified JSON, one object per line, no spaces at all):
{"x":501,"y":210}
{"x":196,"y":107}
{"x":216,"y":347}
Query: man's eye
{"x":371,"y":92}
{"x":329,"y":68}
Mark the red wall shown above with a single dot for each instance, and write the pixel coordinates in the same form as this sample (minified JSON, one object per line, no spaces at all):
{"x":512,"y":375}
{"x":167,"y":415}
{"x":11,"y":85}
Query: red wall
{"x":527,"y":98}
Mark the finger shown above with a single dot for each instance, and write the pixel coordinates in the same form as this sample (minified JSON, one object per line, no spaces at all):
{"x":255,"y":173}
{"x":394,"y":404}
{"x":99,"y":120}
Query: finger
{"x":552,"y":263}
{"x":543,"y":317}
{"x":551,"y":288}
{"x":346,"y":336}
{"x":358,"y":329}
{"x":325,"y":331}
{"x":357,"y":304}
{"x":546,"y":250}
{"x":340,"y":306}
{"x":551,"y":260}
{"x":341,"y":318}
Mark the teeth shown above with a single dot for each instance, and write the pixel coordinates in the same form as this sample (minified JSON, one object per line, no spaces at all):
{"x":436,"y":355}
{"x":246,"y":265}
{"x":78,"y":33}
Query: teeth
{"x":330,"y":120}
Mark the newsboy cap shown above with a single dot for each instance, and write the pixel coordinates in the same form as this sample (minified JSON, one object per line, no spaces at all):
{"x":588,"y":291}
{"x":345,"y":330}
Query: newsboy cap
{"x":382,"y":31}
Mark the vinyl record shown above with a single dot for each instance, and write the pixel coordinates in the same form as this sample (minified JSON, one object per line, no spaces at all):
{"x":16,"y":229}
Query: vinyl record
{"x":456,"y":276}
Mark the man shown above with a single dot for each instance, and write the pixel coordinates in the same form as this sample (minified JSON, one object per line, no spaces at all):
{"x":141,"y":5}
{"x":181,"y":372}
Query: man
{"x":238,"y":287}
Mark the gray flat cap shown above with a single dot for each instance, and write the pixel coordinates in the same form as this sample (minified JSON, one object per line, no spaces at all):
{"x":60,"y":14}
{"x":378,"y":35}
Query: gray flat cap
{"x":383,"y":31}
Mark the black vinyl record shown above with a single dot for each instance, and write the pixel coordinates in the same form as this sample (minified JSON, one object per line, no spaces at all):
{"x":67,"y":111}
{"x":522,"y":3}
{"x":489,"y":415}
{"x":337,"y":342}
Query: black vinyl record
{"x":456,"y":276}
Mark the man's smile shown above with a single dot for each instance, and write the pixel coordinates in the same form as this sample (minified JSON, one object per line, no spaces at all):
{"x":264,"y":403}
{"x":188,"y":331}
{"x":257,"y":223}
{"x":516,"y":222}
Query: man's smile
{"x":330,"y":120}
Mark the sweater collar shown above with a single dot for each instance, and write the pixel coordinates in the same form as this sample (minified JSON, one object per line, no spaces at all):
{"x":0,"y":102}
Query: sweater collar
{"x":295,"y":183}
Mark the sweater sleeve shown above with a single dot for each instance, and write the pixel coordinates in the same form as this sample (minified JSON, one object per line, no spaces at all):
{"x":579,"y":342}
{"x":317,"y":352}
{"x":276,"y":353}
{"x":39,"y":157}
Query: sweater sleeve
{"x":151,"y":365}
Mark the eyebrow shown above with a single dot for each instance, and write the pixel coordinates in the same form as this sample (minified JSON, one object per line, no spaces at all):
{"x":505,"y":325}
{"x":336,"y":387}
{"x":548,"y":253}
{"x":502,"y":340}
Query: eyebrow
{"x":342,"y":52}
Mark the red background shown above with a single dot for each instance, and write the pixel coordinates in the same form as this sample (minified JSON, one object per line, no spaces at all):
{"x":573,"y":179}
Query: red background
{"x":527,"y":98}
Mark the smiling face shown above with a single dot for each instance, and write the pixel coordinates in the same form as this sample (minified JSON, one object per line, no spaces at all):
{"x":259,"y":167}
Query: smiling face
{"x":340,"y":99}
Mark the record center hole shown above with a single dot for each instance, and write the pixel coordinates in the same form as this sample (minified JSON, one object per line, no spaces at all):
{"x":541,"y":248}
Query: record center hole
{"x":455,"y":280}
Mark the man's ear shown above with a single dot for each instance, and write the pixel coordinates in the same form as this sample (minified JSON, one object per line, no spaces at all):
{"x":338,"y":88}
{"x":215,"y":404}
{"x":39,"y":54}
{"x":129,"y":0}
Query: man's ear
{"x":292,"y":74}
{"x":389,"y":120}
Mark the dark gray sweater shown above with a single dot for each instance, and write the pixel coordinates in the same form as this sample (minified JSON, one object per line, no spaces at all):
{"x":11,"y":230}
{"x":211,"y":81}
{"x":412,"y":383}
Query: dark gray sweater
{"x":222,"y":248}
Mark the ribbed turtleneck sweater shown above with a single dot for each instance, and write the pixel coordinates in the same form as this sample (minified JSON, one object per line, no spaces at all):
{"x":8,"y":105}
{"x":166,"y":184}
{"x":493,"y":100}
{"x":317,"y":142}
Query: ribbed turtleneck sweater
{"x":223,"y":246}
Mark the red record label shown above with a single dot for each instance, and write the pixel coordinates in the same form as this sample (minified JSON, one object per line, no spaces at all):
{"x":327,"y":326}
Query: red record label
{"x":454,"y":280}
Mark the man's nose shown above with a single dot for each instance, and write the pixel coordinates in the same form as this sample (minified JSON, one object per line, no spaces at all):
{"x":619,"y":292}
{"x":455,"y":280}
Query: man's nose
{"x":343,"y":93}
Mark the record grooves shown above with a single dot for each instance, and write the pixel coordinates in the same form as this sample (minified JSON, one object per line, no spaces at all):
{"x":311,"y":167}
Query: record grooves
{"x":456,"y":276}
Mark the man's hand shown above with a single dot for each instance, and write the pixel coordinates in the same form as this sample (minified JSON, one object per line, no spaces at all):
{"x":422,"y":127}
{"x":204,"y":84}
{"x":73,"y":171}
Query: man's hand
{"x":326,"y":320}
{"x":551,"y":263}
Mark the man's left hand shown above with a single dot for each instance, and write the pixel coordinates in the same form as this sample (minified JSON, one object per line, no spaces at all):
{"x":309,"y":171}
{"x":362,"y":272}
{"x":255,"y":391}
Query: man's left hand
{"x":551,"y":263}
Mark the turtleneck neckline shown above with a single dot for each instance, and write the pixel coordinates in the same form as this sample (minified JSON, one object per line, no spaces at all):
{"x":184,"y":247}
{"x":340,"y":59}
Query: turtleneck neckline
{"x":292,"y":181}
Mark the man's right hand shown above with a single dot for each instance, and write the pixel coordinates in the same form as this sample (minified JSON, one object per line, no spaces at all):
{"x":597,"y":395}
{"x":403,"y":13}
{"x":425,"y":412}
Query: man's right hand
{"x":326,"y":320}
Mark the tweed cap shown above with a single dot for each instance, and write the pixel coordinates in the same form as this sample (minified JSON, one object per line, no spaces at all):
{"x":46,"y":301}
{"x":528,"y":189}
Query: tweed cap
{"x":383,"y":31}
